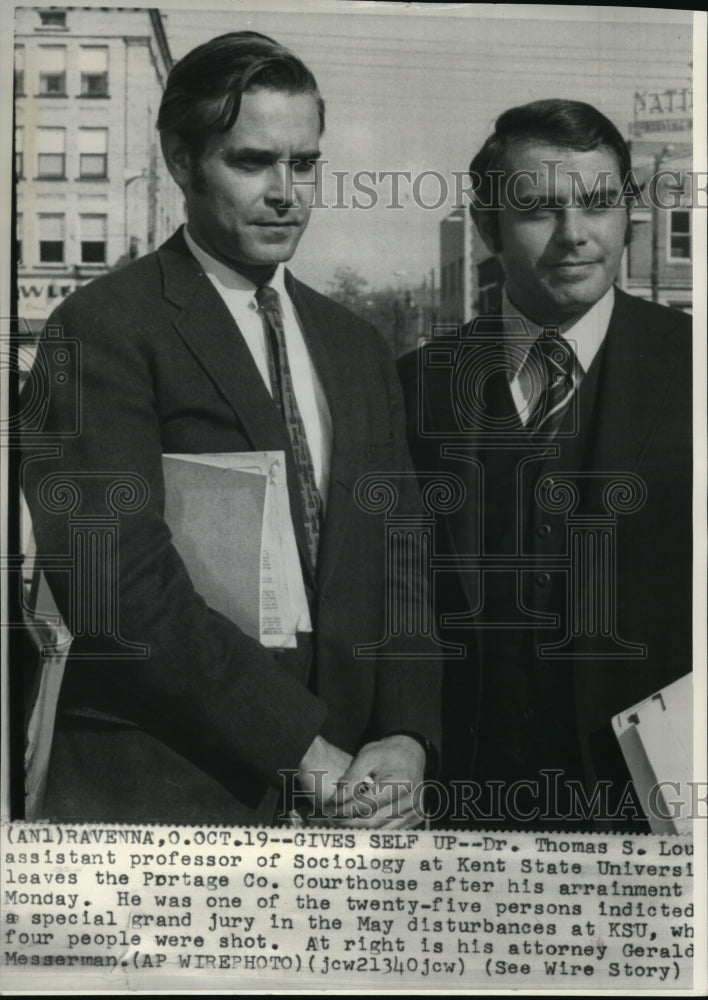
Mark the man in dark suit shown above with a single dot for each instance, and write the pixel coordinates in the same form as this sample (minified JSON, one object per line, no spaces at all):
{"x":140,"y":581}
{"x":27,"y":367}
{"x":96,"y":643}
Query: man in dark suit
{"x":568,"y":419}
{"x":208,"y":345}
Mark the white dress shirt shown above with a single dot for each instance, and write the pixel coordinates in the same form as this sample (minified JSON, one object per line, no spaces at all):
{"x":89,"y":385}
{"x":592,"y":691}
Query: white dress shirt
{"x":239,"y":295}
{"x":585,"y":335}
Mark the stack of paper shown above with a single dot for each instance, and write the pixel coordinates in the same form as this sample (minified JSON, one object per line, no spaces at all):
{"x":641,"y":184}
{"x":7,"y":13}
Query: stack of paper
{"x":229,"y":515}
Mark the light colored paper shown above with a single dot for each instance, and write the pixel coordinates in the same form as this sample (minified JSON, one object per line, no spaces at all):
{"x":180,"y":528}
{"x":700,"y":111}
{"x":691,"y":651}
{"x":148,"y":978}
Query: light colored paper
{"x":230,"y":520}
{"x":408,"y":87}
{"x":656,"y":737}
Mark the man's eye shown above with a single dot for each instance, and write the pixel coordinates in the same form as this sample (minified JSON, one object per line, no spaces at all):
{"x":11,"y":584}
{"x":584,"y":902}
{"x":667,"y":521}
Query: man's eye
{"x":538,"y":208}
{"x":250,"y":165}
{"x":527,"y":204}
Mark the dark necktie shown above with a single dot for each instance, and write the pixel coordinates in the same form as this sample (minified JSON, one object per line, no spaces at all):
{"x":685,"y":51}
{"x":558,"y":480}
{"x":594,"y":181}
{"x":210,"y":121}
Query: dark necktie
{"x":284,"y":396}
{"x":555,"y":359}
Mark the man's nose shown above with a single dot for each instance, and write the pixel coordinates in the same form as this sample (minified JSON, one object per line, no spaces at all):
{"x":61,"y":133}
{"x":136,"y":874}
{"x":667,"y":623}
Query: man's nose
{"x":571,"y":227}
{"x":281,"y":191}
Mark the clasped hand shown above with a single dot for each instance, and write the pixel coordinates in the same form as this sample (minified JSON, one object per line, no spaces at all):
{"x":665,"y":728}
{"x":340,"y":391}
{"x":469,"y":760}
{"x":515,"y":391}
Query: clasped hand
{"x":378,"y":788}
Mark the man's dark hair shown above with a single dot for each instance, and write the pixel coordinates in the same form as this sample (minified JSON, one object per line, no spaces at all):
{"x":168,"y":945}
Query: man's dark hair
{"x":556,"y":122}
{"x":204,"y":89}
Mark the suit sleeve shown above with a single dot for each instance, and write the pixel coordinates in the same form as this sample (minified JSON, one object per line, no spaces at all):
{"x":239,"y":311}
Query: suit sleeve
{"x":202,"y":679}
{"x":409,"y":676}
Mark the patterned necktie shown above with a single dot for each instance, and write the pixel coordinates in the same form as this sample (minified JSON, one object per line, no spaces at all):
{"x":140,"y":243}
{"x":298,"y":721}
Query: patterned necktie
{"x":284,"y":396}
{"x":555,"y":358}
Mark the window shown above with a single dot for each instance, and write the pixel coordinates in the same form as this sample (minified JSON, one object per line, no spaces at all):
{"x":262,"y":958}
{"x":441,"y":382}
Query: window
{"x":680,"y":234}
{"x":52,"y":70}
{"x":19,"y":69}
{"x":93,"y":239}
{"x":51,"y":239}
{"x":19,"y":153}
{"x":93,"y":152}
{"x":93,"y":67}
{"x":18,"y":237}
{"x":51,"y":157}
{"x":52,"y":18}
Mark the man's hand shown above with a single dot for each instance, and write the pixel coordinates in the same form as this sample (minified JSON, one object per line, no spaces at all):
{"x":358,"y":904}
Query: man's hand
{"x":379,"y":788}
{"x":320,"y":771}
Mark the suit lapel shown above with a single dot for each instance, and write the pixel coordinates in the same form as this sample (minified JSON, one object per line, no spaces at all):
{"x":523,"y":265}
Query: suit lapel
{"x":636,"y":377}
{"x":461,"y":454}
{"x":209,"y":331}
{"x":619,"y":401}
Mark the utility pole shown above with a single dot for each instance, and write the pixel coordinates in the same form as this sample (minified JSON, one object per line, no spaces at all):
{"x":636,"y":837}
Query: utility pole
{"x":659,"y":158}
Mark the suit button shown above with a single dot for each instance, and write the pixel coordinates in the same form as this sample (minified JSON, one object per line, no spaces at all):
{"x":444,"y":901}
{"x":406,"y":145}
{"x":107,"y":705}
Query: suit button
{"x":543,"y":579}
{"x":528,"y":714}
{"x":543,"y":530}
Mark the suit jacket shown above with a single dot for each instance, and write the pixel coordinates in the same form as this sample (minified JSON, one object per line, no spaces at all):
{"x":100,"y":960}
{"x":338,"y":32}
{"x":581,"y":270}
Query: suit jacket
{"x":200,"y":728}
{"x":633,"y":424}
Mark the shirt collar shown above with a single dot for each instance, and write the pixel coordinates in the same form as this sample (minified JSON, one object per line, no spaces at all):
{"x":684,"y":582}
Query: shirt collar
{"x":226,"y":277}
{"x":586,"y":332}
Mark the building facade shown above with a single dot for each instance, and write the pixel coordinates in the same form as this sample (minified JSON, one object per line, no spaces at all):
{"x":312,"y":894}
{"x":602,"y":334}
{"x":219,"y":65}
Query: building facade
{"x":659,"y":259}
{"x":457,"y":277}
{"x":92,"y":188}
{"x":471,"y":278}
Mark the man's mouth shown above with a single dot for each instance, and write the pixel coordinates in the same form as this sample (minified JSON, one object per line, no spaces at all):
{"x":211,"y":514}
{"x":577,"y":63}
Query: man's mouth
{"x":570,"y":264}
{"x":275,"y":224}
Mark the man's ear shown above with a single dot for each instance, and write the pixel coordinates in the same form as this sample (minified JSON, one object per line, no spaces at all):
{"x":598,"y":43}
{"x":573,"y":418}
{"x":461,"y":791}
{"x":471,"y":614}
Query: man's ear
{"x":487,"y":225}
{"x":177,"y":158}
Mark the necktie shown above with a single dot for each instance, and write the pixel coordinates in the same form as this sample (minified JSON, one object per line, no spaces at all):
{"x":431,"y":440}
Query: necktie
{"x":284,"y":396}
{"x":555,"y":359}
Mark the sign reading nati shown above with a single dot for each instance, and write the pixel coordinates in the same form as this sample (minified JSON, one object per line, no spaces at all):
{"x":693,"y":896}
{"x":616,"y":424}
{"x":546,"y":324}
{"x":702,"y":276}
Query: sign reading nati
{"x":660,"y":111}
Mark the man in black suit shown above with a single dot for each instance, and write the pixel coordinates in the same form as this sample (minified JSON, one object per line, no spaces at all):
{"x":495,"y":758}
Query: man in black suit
{"x":568,"y":419}
{"x":209,"y":345}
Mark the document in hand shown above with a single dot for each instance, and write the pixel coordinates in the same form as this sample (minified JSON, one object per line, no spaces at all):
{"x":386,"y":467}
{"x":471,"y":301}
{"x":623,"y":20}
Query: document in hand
{"x":656,"y":737}
{"x":229,"y":515}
